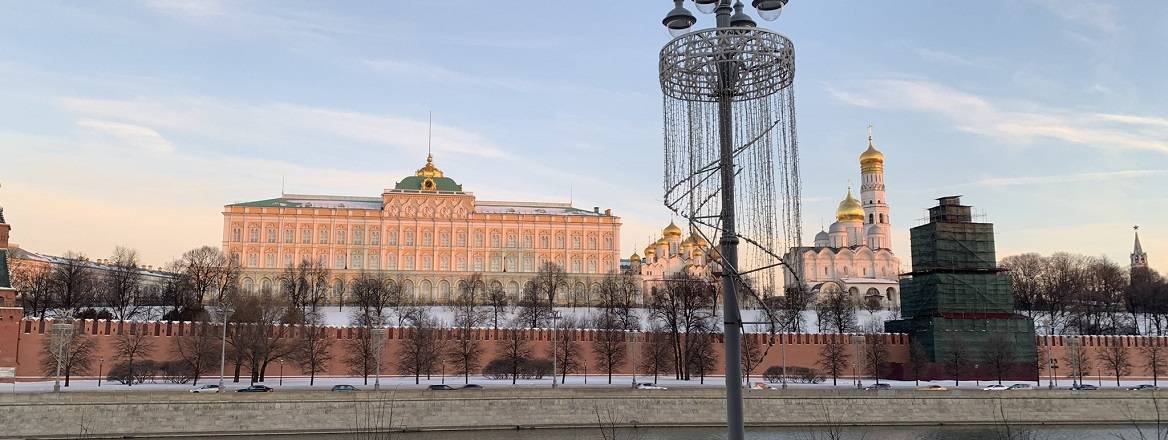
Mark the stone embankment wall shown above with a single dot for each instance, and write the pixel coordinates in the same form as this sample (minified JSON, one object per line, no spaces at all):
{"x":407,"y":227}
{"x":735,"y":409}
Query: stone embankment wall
{"x":97,"y":415}
{"x":23,"y":342}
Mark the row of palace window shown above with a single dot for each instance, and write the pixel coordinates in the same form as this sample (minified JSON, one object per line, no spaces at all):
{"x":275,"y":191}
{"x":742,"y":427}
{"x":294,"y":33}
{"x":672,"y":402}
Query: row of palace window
{"x":427,"y":239}
{"x":496,"y":263}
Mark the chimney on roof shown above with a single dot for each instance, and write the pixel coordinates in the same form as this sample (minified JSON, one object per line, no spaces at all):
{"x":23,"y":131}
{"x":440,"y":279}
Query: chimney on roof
{"x":608,"y":212}
{"x":596,"y":209}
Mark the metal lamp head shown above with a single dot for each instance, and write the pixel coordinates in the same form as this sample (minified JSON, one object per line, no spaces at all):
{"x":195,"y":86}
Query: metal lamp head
{"x":706,"y":6}
{"x":769,"y":10}
{"x":679,"y":20}
{"x":740,"y":18}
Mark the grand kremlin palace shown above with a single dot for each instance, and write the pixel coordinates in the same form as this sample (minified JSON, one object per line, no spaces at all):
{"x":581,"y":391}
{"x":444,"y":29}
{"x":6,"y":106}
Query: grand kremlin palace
{"x":425,"y":231}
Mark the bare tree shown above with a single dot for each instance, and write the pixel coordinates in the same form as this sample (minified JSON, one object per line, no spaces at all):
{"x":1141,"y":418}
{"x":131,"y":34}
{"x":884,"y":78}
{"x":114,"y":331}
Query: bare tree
{"x":74,"y":284}
{"x":1027,"y":273}
{"x":956,"y":361}
{"x":132,"y":346}
{"x":702,"y":356}
{"x":305,"y":286}
{"x":265,"y":333}
{"x":875,"y":355}
{"x":656,"y":352}
{"x":465,"y":350}
{"x":177,"y":293}
{"x":752,"y":355}
{"x":617,"y":299}
{"x":208,"y":270}
{"x":1077,"y":360}
{"x":77,"y":360}
{"x":498,"y":302}
{"x":534,"y":311}
{"x":421,"y":351}
{"x":918,"y":359}
{"x":999,"y":355}
{"x":514,"y":352}
{"x":682,"y":304}
{"x":1115,"y":358}
{"x":121,"y":284}
{"x":836,"y":312}
{"x":549,"y":282}
{"x":312,"y":349}
{"x":1155,"y":357}
{"x":608,"y":343}
{"x":833,"y":358}
{"x":567,"y":349}
{"x":198,"y":351}
{"x":35,"y":283}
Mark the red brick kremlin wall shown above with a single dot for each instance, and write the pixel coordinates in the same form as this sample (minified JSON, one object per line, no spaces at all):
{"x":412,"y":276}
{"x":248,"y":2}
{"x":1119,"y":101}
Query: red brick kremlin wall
{"x":22,"y":344}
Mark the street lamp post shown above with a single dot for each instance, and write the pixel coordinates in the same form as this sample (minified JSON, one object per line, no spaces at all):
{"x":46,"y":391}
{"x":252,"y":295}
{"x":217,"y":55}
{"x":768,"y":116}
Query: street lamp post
{"x":783,"y":355}
{"x":281,"y":371}
{"x":724,"y":87}
{"x":857,"y":341}
{"x":379,"y":342}
{"x":100,"y":363}
{"x":62,"y":335}
{"x":224,"y":315}
{"x":1049,"y":361}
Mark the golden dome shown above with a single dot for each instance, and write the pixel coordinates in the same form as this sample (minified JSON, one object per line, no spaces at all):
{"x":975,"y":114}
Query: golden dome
{"x":849,"y":209}
{"x":871,"y":159}
{"x":429,"y":170}
{"x":634,"y":257}
{"x":661,"y":242}
{"x":688,"y":242}
{"x":699,"y":241}
{"x":650,"y":251}
{"x":696,"y":253}
{"x":671,"y":231}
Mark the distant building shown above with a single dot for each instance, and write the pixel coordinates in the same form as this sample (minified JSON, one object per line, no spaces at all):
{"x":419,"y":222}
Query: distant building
{"x":1139,"y":259}
{"x":855,"y":254}
{"x":425,"y":230}
{"x":671,"y":255}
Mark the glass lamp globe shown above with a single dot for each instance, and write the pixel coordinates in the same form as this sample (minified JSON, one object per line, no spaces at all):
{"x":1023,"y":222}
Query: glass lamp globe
{"x":706,"y":6}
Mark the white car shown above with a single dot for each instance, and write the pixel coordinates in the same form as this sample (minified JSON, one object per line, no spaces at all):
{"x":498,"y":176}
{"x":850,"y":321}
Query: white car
{"x":996,"y":387}
{"x":649,"y":386}
{"x":206,"y":389}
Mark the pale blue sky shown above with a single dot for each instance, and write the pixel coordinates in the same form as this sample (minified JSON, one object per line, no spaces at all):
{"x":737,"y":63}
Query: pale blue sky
{"x":133,"y":123}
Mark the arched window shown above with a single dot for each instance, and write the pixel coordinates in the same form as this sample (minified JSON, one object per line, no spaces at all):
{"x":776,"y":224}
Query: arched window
{"x":478,"y":242}
{"x":375,"y":237}
{"x":408,"y":288}
{"x":341,"y":261}
{"x":289,"y":236}
{"x":444,"y":262}
{"x":253,"y":235}
{"x":356,"y":260}
{"x":427,"y":262}
{"x":513,"y":289}
{"x":496,"y":240}
{"x":559,"y":241}
{"x":461,"y":263}
{"x":881,"y":217}
{"x":391,"y":261}
{"x":236,"y":234}
{"x":248,"y":285}
{"x":374,"y":261}
{"x":528,"y":241}
{"x":444,"y":291}
{"x":266,"y":286}
{"x":496,"y":263}
{"x":358,"y":235}
{"x":427,"y":291}
{"x":288,"y":260}
{"x":462,"y":239}
{"x":427,"y":238}
{"x":253,"y":260}
{"x":339,"y":290}
{"x":575,"y":242}
{"x":271,"y":235}
{"x":391,"y":238}
{"x":323,"y":235}
{"x":409,"y":262}
{"x":270,"y":260}
{"x":409,"y":238}
{"x":306,"y":236}
{"x":340,"y":236}
{"x":592,"y":242}
{"x":543,"y":241}
{"x":870,"y":216}
{"x":444,"y":239}
{"x":607,"y":242}
{"x":512,"y":241}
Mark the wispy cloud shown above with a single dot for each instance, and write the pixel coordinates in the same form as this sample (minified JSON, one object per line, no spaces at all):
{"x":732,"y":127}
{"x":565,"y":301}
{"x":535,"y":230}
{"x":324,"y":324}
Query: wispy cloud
{"x":943,"y":57}
{"x":1014,"y":121}
{"x":436,"y":73}
{"x":129,"y":135}
{"x":1103,"y":176}
{"x":1094,"y":14}
{"x":276,"y":126}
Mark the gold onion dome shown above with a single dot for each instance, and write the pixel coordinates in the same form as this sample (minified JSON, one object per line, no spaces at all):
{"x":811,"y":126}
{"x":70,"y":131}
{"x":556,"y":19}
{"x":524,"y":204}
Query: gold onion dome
{"x":696,"y":253}
{"x":634,"y":257}
{"x":698,"y":240}
{"x":671,"y":231}
{"x":849,"y":209}
{"x":688,"y":242}
{"x":650,"y":251}
{"x":661,"y":242}
{"x":871,"y":159}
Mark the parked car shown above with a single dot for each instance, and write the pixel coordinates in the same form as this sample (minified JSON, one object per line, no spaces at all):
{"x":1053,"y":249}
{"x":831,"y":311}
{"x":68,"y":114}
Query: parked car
{"x":256,"y":389}
{"x":1084,"y":387}
{"x":1020,"y":387}
{"x":206,"y":389}
{"x":441,"y":388}
{"x":345,"y":388}
{"x":764,"y":386}
{"x":996,"y":387}
{"x":932,"y":388}
{"x":471,"y":386}
{"x":1144,"y":387}
{"x":878,"y":386}
{"x":649,"y":386}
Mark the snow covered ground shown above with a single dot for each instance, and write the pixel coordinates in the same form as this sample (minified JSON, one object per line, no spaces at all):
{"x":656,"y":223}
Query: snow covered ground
{"x":573,"y":381}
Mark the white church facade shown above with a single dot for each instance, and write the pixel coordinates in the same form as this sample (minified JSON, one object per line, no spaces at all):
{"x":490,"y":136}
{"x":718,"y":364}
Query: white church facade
{"x":855,"y":254}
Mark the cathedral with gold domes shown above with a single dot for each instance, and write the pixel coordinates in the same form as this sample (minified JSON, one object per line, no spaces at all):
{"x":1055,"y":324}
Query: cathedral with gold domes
{"x":671,"y":255}
{"x":854,"y":254}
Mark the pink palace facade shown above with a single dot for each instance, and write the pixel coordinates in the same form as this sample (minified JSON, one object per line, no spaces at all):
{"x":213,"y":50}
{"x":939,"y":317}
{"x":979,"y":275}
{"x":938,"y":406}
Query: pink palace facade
{"x":425,"y":231}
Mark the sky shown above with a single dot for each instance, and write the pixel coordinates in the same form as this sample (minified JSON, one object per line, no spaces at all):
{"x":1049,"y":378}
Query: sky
{"x":129,"y":123}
